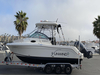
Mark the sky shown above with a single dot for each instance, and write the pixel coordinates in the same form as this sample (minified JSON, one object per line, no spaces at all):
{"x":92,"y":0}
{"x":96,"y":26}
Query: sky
{"x":75,"y":16}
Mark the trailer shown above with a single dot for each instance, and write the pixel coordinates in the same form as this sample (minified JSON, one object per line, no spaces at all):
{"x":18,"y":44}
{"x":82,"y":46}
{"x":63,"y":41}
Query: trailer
{"x":48,"y":67}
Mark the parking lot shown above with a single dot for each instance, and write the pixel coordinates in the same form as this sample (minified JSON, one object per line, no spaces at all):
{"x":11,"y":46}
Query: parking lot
{"x":89,"y":67}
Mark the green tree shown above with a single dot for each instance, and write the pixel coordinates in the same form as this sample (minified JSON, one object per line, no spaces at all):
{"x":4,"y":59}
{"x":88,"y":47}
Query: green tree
{"x":21,"y":22}
{"x":96,"y":30}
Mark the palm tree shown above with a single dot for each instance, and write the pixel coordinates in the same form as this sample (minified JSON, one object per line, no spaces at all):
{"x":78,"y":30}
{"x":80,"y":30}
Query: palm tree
{"x":96,"y":30}
{"x":21,"y":22}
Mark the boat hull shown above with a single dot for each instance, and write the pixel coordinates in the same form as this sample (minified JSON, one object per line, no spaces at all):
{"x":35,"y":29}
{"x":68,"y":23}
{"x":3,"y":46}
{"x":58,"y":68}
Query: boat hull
{"x":38,"y":54}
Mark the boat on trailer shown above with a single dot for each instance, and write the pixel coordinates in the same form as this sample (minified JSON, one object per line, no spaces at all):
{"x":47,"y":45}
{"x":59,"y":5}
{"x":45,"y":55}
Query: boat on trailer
{"x":38,"y":48}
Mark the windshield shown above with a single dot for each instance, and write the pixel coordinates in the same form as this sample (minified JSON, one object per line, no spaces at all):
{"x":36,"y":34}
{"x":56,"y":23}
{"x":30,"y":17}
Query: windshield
{"x":39,"y":35}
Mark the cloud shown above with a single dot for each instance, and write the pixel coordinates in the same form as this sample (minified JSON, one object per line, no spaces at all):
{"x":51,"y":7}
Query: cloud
{"x":76,"y":16}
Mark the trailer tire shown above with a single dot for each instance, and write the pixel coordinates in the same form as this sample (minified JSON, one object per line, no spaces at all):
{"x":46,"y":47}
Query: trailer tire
{"x":7,"y":59}
{"x":58,"y":69}
{"x":68,"y":69}
{"x":48,"y":69}
{"x":89,"y":54}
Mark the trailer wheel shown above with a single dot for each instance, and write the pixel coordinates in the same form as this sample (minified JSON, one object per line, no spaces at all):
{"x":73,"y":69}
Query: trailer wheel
{"x":7,"y":59}
{"x":68,"y":69}
{"x":48,"y":69}
{"x":58,"y":69}
{"x":90,"y":54}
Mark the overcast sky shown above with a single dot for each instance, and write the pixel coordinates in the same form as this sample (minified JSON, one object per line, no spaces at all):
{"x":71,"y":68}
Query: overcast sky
{"x":75,"y":16}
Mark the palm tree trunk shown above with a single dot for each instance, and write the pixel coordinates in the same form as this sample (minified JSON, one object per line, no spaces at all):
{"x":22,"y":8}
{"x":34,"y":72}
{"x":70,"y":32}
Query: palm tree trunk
{"x":20,"y":33}
{"x":19,"y":36}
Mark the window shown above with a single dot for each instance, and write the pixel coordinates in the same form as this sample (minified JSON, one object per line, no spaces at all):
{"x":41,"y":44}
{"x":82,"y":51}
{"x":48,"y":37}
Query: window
{"x":39,"y":35}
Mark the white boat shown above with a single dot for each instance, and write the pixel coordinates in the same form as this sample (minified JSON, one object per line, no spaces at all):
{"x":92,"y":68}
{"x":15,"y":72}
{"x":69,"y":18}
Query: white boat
{"x":92,"y":47}
{"x":38,"y":48}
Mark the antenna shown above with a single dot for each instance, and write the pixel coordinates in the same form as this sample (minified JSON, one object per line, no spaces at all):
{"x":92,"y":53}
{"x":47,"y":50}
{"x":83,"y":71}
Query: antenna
{"x":79,"y":42}
{"x":57,"y":20}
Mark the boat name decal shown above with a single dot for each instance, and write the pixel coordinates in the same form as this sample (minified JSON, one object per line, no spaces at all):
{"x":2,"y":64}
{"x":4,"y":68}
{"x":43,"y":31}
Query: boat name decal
{"x":59,"y":53}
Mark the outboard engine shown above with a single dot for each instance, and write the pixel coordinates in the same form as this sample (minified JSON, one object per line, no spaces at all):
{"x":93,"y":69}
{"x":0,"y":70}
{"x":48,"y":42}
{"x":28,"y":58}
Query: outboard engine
{"x":83,"y":50}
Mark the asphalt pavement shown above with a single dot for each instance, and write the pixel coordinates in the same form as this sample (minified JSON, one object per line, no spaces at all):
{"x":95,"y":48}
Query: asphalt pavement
{"x":89,"y":67}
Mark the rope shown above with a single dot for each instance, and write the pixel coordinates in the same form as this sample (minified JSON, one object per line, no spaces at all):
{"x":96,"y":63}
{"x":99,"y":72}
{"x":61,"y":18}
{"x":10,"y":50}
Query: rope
{"x":62,"y":34}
